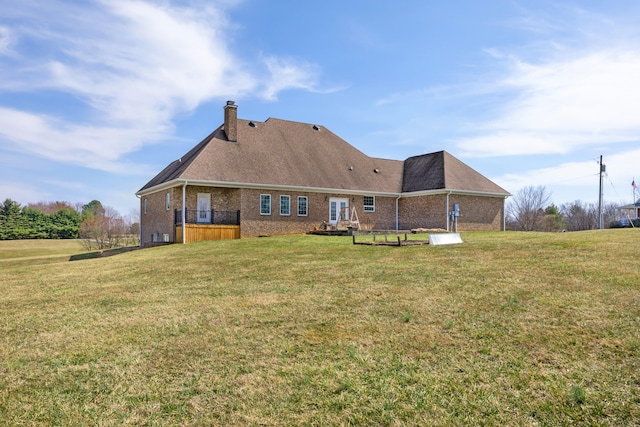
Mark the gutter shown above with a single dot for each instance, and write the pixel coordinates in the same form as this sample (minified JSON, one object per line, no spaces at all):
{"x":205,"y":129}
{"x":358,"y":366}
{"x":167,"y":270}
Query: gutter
{"x":139,"y":224}
{"x":504,"y":214}
{"x":447,"y":212}
{"x":274,"y":187}
{"x":184,"y":212}
{"x":397,"y":220}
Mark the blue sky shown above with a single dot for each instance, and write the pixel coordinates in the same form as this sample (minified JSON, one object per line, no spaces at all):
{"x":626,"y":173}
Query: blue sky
{"x":96,"y":97}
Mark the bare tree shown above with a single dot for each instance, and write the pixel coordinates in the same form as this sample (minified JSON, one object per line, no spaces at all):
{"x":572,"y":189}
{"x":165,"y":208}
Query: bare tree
{"x":584,"y":216}
{"x":108,"y":230}
{"x":580,"y":216}
{"x":526,"y":209}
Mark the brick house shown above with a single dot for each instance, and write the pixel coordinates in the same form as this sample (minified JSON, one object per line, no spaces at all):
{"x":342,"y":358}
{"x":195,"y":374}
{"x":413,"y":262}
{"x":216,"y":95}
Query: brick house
{"x":251,"y":178}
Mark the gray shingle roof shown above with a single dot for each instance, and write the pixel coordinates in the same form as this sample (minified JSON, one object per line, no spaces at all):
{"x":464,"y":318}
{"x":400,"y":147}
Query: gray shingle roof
{"x":285,"y":153}
{"x":442,"y":171}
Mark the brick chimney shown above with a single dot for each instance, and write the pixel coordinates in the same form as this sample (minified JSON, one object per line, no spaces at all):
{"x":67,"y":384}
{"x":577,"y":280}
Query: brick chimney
{"x":231,"y":121}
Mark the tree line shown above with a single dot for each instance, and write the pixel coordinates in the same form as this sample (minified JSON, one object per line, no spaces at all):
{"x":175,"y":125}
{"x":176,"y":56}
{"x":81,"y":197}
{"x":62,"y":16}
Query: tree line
{"x":100,"y":227}
{"x":530,"y":209}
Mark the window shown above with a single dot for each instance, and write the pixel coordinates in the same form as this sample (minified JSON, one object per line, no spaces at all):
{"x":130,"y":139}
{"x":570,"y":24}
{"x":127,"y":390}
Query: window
{"x":144,"y":209}
{"x":303,"y":206}
{"x":265,"y":204}
{"x":167,"y":201}
{"x":369,"y":204}
{"x":285,"y":205}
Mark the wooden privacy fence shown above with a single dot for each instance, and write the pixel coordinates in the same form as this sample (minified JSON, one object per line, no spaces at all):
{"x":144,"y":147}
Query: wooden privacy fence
{"x":198,"y":233}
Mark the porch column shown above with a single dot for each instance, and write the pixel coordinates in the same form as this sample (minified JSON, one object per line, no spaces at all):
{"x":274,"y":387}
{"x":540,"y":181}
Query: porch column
{"x":184,"y":213}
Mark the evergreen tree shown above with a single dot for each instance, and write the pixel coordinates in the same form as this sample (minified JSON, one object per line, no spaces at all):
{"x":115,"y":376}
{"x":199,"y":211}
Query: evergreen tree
{"x":13,"y":225}
{"x":64,"y":224}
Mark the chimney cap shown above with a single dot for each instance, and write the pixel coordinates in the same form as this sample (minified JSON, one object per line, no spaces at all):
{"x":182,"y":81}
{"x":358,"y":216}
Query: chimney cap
{"x":231,"y":102}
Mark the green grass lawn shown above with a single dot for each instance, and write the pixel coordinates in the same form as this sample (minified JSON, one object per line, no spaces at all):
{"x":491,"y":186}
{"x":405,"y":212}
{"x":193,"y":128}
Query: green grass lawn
{"x":38,"y":251}
{"x":505,"y":329}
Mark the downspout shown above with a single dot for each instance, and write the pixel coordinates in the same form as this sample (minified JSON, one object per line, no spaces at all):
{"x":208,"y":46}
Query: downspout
{"x":447,"y":213}
{"x":397,"y":221}
{"x":184,"y":213}
{"x":504,"y":214}
{"x":139,"y":225}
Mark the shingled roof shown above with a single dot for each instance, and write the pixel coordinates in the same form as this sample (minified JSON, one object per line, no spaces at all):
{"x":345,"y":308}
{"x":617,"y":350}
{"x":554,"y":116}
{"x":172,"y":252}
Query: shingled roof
{"x":442,"y":171}
{"x":282,"y":153}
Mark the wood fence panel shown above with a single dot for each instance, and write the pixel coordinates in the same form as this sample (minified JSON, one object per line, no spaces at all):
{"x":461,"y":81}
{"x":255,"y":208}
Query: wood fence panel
{"x":198,"y":233}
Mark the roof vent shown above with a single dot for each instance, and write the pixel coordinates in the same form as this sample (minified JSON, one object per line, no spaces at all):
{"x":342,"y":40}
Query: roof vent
{"x":376,"y":170}
{"x":252,"y":124}
{"x":315,"y":127}
{"x":350,"y":168}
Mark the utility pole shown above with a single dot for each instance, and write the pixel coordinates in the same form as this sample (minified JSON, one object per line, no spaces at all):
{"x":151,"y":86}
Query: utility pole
{"x":603,"y":169}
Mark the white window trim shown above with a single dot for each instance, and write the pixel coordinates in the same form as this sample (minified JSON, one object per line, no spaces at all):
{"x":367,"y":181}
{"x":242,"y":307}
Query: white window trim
{"x":269,"y":196}
{"x":282,"y":197}
{"x":306,"y":206}
{"x":369,"y":208}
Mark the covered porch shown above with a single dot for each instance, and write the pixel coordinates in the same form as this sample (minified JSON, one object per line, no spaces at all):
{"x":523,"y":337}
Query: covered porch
{"x":210,"y":224}
{"x":628,"y":214}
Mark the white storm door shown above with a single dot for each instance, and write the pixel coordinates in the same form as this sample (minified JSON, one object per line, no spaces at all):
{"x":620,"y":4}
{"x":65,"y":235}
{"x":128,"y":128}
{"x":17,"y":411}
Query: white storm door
{"x":338,"y":209}
{"x":204,"y":207}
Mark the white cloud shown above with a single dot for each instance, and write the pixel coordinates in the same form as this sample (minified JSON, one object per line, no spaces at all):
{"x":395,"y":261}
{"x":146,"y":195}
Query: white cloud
{"x":287,"y":73}
{"x":563,"y":106}
{"x":569,"y":180}
{"x":136,"y":65}
{"x":147,"y":62}
{"x":90,"y":146}
{"x":21,"y":192}
{"x":6,"y":40}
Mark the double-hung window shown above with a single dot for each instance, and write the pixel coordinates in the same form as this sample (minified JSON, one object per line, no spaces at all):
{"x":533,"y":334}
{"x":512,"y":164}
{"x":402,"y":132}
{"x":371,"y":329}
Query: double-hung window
{"x":265,"y":204}
{"x":369,"y":204}
{"x":303,"y":206}
{"x":285,"y":205}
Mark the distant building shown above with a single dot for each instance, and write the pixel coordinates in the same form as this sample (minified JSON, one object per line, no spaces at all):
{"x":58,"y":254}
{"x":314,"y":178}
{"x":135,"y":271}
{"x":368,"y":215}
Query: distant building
{"x":629,"y":212}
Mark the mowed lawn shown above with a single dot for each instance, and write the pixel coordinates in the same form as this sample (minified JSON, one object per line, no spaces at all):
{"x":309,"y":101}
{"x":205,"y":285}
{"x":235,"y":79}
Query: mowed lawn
{"x":504,"y":329}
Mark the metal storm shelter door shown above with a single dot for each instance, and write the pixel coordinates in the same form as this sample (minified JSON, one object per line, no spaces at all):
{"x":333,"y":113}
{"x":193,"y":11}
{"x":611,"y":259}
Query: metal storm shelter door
{"x":204,"y":207}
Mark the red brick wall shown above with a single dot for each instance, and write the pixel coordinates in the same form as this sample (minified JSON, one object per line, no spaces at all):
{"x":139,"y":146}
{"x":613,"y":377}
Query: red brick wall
{"x":254,"y":224}
{"x":477,"y":213}
{"x":423,"y":212}
{"x":157,"y":219}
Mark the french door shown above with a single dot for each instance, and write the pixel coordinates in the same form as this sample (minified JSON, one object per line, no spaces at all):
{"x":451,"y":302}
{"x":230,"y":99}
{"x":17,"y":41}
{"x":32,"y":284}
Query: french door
{"x":204,"y":207}
{"x":338,"y":209}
